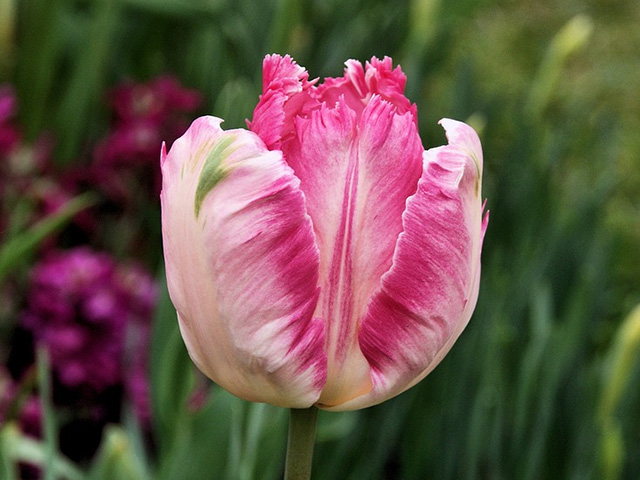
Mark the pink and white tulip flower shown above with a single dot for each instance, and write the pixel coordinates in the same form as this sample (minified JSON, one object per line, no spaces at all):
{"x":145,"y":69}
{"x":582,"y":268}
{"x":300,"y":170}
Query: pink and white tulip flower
{"x":322,"y":257}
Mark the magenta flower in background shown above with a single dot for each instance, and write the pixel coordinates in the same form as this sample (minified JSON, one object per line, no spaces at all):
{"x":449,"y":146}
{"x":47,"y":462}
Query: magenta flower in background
{"x":324,"y":257}
{"x":9,"y":133}
{"x":156,"y":101}
{"x":144,"y":115}
{"x":7,"y":393}
{"x":27,"y":170}
{"x":17,"y":160}
{"x":93,"y":315}
{"x":141,"y":293}
{"x":31,"y":416}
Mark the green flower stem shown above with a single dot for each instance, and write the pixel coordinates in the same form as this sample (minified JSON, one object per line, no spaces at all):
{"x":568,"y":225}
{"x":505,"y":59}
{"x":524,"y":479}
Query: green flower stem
{"x":302,"y":433}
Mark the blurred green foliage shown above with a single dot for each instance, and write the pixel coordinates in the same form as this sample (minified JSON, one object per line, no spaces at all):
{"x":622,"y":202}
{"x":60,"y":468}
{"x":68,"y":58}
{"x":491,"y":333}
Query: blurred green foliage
{"x":554,"y":89}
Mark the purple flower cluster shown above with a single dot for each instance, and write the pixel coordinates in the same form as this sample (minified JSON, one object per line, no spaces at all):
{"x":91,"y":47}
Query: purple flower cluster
{"x":9,"y":133}
{"x":26,"y":170}
{"x":145,"y":115}
{"x":91,"y":312}
{"x":93,"y":316}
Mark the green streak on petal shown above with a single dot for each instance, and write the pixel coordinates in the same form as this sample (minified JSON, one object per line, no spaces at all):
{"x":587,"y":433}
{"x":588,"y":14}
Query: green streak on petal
{"x":213,"y":171}
{"x":478,"y":173}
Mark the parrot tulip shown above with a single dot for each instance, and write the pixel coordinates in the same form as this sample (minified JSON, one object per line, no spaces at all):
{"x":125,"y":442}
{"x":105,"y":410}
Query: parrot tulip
{"x":322,"y":257}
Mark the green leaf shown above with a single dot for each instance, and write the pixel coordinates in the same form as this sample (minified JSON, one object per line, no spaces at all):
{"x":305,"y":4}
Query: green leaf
{"x":116,"y":458}
{"x":179,"y":8}
{"x":201,"y":445}
{"x":40,"y":51}
{"x":49,"y":422}
{"x":16,"y":250}
{"x":16,"y":447}
{"x":85,"y":88}
{"x":9,"y":434}
{"x":235,"y":103}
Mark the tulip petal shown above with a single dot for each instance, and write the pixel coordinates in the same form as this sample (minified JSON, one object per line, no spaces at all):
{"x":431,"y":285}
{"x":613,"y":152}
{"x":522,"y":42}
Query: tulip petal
{"x":356,"y":174}
{"x":427,"y":297}
{"x":359,"y":84}
{"x":285,"y":91}
{"x":242,"y":265}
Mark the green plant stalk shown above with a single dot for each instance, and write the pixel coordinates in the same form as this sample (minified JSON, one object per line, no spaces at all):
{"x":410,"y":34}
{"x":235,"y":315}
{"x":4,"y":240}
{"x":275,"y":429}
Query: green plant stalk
{"x":302,"y":433}
{"x":14,"y":250}
{"x":622,"y":359}
{"x":50,"y":433}
{"x":35,"y":452}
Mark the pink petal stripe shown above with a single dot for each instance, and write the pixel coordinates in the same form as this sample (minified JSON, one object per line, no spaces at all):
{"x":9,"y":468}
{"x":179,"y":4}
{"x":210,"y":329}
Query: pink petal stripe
{"x":356,"y":176}
{"x":243,"y":273}
{"x":428,"y":295}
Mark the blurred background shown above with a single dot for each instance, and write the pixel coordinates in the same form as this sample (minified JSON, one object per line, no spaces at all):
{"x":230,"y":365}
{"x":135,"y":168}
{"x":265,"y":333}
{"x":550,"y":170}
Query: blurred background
{"x":95,"y":382}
